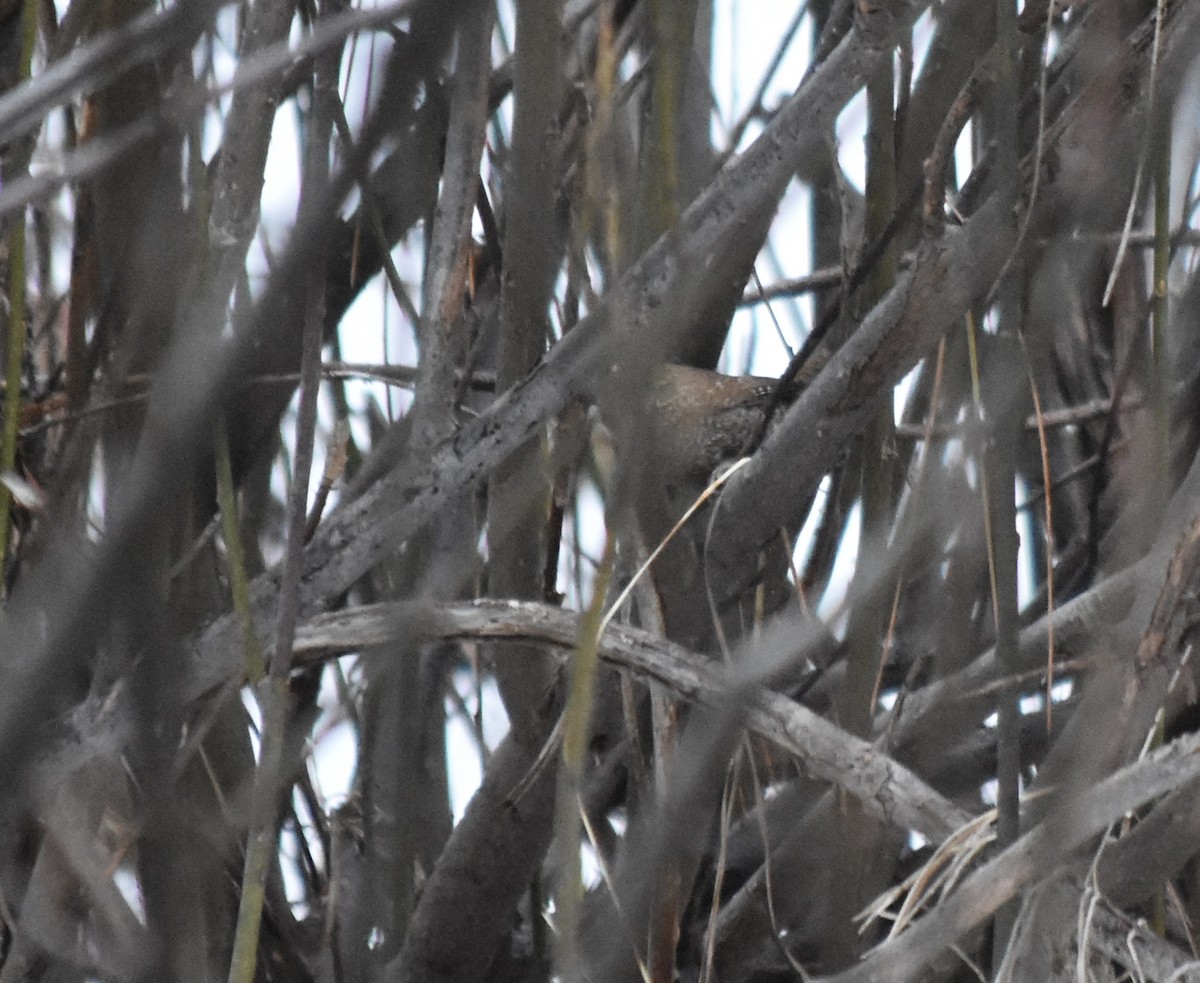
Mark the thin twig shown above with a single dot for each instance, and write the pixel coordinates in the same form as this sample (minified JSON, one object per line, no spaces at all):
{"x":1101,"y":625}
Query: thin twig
{"x":274,"y":695}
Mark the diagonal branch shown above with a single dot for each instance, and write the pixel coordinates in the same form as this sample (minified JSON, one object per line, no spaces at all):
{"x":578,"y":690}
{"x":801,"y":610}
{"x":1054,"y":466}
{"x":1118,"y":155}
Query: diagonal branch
{"x":1038,"y":853}
{"x":660,"y":297}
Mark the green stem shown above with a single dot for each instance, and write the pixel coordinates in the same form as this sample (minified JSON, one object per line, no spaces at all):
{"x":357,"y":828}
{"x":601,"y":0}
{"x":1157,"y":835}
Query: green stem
{"x":262,"y":842}
{"x":274,"y":699}
{"x":1160,"y":388}
{"x":15,"y":354}
{"x":1160,"y":402}
{"x":239,"y":583}
{"x":577,"y":723}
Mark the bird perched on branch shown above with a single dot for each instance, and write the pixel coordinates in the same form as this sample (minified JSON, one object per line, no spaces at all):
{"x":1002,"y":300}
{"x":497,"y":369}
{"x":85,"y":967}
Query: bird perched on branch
{"x":673,"y":432}
{"x":704,"y":419}
{"x":687,"y":425}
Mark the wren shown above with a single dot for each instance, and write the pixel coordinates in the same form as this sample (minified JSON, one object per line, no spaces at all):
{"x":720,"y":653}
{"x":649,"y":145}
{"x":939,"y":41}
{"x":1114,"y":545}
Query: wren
{"x":704,"y":419}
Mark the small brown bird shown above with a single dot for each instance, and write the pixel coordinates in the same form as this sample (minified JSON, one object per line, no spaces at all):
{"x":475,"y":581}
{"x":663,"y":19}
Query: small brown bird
{"x":672,"y":443}
{"x":703,"y":419}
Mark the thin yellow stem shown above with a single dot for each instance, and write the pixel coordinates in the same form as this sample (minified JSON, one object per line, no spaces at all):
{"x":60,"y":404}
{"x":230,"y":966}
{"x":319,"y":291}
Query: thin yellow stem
{"x":15,"y":352}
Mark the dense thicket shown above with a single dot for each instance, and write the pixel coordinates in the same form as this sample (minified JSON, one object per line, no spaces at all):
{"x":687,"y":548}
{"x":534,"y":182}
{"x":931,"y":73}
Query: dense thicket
{"x":909,"y":695}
